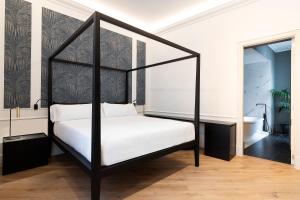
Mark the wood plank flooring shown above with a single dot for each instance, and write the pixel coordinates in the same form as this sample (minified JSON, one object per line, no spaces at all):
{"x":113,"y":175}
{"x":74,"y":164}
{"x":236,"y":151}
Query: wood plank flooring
{"x":173,"y":177}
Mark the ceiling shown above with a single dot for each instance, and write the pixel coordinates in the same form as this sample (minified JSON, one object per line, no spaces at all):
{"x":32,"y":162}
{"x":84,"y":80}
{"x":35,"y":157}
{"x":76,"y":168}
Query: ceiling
{"x":252,"y":56}
{"x":150,"y":11}
{"x":281,"y":46}
{"x":155,"y":15}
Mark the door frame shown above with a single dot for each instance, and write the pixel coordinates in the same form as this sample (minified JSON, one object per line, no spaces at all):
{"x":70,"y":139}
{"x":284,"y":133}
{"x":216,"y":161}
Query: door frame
{"x":295,"y":86}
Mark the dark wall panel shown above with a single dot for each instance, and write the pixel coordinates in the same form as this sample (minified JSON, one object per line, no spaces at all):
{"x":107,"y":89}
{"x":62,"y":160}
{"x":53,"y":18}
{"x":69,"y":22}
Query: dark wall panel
{"x":70,"y":83}
{"x":116,"y":51}
{"x":141,"y":82}
{"x":17,"y":53}
{"x":73,"y":83}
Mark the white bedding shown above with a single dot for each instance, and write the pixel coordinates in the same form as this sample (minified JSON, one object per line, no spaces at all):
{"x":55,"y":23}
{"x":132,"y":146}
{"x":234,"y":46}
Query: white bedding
{"x":124,"y":138}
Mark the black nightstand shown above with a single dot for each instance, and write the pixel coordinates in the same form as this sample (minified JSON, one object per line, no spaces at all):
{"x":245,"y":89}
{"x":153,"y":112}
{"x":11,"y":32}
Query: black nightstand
{"x":220,"y":140}
{"x":24,"y":152}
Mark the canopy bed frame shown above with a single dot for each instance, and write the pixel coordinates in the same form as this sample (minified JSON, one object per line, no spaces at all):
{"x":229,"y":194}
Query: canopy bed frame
{"x":94,"y":168}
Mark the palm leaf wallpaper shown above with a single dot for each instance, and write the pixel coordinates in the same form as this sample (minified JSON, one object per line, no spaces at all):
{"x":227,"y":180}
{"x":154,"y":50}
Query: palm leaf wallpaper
{"x":72,"y":83}
{"x":141,"y":83}
{"x":17,"y":54}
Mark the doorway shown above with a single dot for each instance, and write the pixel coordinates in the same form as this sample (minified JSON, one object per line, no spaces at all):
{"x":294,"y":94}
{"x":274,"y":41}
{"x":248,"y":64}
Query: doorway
{"x":267,"y":101}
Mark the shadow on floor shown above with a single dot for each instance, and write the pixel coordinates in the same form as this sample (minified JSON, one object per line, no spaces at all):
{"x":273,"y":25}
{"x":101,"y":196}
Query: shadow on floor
{"x":131,"y":179}
{"x":63,"y":179}
{"x":274,"y":147}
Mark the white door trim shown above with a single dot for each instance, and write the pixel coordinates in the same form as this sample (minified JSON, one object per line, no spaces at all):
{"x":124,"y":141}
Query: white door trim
{"x":295,"y":88}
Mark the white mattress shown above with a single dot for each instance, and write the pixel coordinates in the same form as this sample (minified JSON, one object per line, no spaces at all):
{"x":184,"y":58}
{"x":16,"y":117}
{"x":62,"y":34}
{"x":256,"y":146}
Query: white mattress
{"x":124,"y":138}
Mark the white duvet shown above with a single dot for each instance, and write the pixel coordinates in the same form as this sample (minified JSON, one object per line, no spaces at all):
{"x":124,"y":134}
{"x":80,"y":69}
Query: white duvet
{"x":124,"y":138}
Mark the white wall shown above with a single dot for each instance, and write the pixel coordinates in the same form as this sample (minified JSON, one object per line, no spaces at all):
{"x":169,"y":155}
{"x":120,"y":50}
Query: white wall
{"x":218,"y":38}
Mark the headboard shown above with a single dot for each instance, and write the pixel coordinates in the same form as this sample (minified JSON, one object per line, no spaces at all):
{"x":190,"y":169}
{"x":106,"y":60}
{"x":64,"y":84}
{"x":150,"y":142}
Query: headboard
{"x":69,"y":88}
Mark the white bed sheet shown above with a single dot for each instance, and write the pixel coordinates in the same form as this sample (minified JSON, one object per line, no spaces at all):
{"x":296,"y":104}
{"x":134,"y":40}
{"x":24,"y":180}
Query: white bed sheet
{"x":124,"y":138}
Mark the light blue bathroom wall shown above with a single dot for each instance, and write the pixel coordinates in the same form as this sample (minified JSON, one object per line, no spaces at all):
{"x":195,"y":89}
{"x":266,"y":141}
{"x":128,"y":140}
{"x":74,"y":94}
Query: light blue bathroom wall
{"x":283,"y":81}
{"x":258,"y":83}
{"x":283,"y":70}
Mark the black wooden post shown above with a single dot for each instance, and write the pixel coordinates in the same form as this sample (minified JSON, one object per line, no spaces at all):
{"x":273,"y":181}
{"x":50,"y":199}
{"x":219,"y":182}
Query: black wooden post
{"x":50,"y":102}
{"x":126,"y":87}
{"x":197,"y":112}
{"x":96,"y":114}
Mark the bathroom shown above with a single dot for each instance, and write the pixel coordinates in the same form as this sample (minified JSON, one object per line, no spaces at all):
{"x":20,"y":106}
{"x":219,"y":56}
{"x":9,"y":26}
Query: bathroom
{"x":267,"y":88}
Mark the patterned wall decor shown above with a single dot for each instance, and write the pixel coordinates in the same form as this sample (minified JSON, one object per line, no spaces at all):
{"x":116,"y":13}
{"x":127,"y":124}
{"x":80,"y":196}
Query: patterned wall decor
{"x":56,"y":28}
{"x":17,"y":53}
{"x":116,"y":51}
{"x":141,"y":61}
{"x":73,"y":83}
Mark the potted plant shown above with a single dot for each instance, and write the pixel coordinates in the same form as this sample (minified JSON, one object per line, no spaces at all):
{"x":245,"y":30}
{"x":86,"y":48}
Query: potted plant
{"x":284,"y":97}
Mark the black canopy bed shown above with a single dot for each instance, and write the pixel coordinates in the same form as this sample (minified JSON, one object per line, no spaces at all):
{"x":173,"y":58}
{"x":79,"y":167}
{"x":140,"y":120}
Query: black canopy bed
{"x":93,"y":165}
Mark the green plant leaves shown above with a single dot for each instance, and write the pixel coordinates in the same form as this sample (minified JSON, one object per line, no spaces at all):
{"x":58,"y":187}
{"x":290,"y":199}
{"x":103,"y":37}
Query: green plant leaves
{"x":285,"y":99}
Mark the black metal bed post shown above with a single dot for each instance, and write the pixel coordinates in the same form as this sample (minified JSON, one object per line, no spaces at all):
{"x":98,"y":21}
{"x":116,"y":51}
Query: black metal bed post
{"x":96,"y":114}
{"x":197,"y":112}
{"x":126,"y":87}
{"x":50,"y":102}
{"x":162,"y":63}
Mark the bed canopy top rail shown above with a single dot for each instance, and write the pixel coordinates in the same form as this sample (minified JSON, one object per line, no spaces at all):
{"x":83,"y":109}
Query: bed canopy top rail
{"x":59,"y":60}
{"x":163,"y":63}
{"x":121,"y":24}
{"x":94,"y":167}
{"x":124,"y":70}
{"x":86,"y":64}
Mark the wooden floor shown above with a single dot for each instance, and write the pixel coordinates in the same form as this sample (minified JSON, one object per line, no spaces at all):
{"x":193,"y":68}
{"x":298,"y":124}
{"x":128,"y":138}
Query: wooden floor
{"x":170,"y":178}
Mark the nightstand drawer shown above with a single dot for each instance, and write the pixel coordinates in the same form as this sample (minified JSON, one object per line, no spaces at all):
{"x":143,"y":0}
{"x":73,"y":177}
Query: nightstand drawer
{"x":24,"y":152}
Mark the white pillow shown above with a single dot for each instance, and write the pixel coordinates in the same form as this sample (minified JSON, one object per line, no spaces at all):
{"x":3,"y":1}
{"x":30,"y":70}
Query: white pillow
{"x":119,"y":110}
{"x":60,"y":112}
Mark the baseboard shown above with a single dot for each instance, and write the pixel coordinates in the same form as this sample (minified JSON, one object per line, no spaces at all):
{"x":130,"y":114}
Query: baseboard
{"x":239,"y":151}
{"x":297,"y":162}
